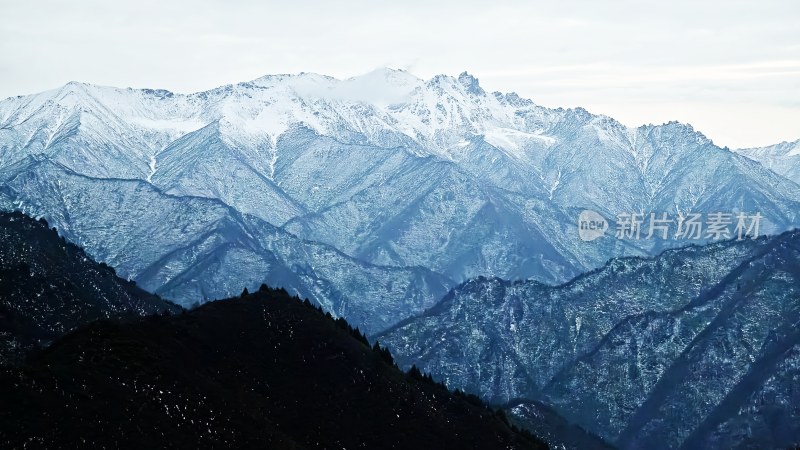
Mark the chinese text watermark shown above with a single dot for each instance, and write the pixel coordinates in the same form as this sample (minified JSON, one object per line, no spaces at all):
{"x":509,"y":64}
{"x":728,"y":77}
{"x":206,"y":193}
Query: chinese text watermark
{"x":689,"y":226}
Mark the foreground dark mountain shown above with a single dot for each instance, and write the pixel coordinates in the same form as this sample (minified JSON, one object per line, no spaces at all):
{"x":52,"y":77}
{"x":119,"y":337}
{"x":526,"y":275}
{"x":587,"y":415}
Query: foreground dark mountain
{"x":49,"y":287}
{"x":696,"y":348}
{"x":262,"y":371}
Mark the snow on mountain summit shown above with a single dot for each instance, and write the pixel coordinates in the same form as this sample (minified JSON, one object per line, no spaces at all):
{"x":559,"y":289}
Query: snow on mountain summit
{"x":783,"y":158}
{"x":379,"y":103}
{"x":111,"y":132}
{"x":384,"y":107}
{"x":380,"y":87}
{"x":385,"y":167}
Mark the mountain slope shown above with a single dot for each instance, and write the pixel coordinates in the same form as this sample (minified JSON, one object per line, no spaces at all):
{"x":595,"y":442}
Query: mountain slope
{"x":678,"y":350}
{"x":190,"y":166}
{"x":49,"y":287}
{"x":261,"y":371}
{"x":543,"y":421}
{"x":193,"y":249}
{"x":783,"y":158}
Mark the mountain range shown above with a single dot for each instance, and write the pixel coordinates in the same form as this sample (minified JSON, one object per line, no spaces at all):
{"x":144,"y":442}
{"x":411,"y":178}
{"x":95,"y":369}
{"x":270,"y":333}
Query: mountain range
{"x":435,"y":216}
{"x":98,"y":362}
{"x":783,"y":158}
{"x":372,"y":196}
{"x":696,"y":348}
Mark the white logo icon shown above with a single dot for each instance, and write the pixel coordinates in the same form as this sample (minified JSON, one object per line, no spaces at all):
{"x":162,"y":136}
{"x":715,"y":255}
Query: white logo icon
{"x":591,"y":225}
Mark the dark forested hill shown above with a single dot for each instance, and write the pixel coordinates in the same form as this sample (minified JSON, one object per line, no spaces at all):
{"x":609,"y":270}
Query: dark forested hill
{"x":48,"y":287}
{"x":264,"y":370}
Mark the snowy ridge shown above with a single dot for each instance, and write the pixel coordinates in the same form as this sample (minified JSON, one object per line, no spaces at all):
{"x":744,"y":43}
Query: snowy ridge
{"x":389,"y":169}
{"x":380,"y":102}
{"x":783,"y":158}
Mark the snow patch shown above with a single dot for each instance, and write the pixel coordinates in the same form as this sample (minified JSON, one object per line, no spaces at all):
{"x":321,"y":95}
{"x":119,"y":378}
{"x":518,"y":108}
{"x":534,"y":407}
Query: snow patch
{"x":270,"y":120}
{"x":178,"y":124}
{"x":513,"y":140}
{"x":152,"y":169}
{"x":381,"y":87}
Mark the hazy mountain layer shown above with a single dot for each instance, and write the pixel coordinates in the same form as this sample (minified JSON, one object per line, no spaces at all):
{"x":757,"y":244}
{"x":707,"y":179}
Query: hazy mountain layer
{"x":695,"y":348}
{"x":195,"y":249}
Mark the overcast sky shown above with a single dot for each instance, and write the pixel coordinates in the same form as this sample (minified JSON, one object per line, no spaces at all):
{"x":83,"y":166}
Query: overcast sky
{"x":730,"y":68}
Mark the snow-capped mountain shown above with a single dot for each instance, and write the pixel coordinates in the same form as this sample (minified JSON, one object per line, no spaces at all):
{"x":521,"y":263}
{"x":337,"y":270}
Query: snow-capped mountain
{"x":783,"y":158}
{"x":385,"y":171}
{"x":696,"y":348}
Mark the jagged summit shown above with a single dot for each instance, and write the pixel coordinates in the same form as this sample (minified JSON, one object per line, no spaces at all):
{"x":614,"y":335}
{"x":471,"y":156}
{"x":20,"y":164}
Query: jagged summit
{"x":396,"y":101}
{"x":470,"y":83}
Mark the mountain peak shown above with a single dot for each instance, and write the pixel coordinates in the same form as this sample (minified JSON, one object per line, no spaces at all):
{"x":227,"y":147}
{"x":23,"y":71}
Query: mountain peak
{"x":389,"y":73}
{"x":72,"y":87}
{"x":470,"y":83}
{"x":386,"y":77}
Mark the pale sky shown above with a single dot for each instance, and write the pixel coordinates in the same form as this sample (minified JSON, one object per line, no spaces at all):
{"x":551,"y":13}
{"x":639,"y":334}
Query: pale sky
{"x":730,"y":68}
